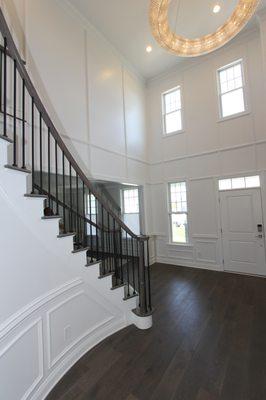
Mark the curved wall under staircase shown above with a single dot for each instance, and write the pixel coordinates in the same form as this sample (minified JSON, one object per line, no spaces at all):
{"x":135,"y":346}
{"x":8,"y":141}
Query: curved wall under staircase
{"x":52,"y":308}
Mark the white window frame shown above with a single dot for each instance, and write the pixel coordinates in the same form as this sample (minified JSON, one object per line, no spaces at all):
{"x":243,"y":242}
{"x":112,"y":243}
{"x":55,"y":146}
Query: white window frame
{"x":244,"y":88}
{"x":123,"y":201}
{"x":244,"y":177}
{"x":165,"y":134}
{"x":171,"y":242}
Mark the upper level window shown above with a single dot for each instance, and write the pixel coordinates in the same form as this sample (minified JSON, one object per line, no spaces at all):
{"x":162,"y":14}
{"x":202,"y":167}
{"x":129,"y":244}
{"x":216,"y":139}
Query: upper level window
{"x":131,"y":201}
{"x":231,"y":89}
{"x":243,"y":182}
{"x":178,"y":212}
{"x":172,"y":111}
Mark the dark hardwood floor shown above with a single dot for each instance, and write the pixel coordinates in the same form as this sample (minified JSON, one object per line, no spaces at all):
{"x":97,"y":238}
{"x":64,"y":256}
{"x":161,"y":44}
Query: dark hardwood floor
{"x":208,"y":342}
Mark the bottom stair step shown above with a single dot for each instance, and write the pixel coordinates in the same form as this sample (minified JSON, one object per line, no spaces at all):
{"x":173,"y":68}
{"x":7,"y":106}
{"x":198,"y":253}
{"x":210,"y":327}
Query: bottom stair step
{"x":130,"y":296}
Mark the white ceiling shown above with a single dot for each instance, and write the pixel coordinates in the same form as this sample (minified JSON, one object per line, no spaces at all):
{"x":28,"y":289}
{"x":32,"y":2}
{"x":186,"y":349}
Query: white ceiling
{"x":125,"y":24}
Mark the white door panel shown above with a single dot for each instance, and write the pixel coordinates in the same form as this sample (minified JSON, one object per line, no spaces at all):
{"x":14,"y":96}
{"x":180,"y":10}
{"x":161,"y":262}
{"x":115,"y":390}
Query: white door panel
{"x":243,"y":244}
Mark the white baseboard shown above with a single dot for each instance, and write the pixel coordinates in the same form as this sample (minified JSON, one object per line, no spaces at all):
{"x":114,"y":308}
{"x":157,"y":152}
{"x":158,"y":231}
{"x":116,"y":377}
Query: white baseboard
{"x":62,"y":368}
{"x":188,"y":263}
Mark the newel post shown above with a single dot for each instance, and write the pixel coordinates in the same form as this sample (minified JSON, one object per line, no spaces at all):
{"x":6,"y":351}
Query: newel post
{"x":142,"y":277}
{"x":143,"y":313}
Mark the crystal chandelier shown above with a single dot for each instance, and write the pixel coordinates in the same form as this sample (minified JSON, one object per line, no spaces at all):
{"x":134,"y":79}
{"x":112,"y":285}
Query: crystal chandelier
{"x":185,"y":47}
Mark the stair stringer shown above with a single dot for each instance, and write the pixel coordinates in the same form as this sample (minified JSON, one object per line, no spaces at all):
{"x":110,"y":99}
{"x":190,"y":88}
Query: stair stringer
{"x":53,"y":309}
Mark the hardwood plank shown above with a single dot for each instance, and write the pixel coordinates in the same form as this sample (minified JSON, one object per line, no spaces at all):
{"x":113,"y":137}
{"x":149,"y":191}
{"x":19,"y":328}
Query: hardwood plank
{"x":208,"y":342}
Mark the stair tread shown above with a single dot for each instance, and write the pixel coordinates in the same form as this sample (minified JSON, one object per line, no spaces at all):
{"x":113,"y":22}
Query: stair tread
{"x":93,"y":263}
{"x":62,"y":235}
{"x":33,"y":195}
{"x":118,"y":286}
{"x":105,"y":275}
{"x":6,"y":138}
{"x":80,"y":250}
{"x":27,"y":171}
{"x":131,"y":296}
{"x":52,"y":217}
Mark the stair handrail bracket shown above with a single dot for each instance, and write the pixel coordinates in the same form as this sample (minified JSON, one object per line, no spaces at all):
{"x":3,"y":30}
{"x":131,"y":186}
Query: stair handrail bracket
{"x":83,"y":210}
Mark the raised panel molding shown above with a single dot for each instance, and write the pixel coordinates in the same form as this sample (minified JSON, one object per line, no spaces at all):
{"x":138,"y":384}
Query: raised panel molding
{"x":53,"y":361}
{"x":36,"y":304}
{"x":39,"y":324}
{"x":206,"y":251}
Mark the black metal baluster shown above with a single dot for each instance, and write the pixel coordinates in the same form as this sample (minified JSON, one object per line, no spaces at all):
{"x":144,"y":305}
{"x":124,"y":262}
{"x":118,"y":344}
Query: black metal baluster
{"x":102,"y":240}
{"x":121,"y":255}
{"x":5,"y":88}
{"x":71,"y":206}
{"x":127,"y":267}
{"x":40,"y":127}
{"x":133,"y":267}
{"x":56,"y":178}
{"x":49,"y":166}
{"x":149,"y":276}
{"x":91,"y":238}
{"x":77,"y":200}
{"x":97,"y":229}
{"x":114,"y":249}
{"x":15,"y":115}
{"x":64,"y":193}
{"x":84,"y":216}
{"x":23,"y":124}
{"x":109,"y":243}
{"x":32,"y":144}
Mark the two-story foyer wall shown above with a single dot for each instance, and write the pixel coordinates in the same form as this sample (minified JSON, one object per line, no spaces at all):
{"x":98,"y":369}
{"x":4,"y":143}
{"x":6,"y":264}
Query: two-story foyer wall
{"x":207,"y":149}
{"x":96,"y":100}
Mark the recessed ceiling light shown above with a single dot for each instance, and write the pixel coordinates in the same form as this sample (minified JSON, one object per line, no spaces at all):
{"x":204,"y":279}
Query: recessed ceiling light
{"x":149,"y":49}
{"x":216,"y":8}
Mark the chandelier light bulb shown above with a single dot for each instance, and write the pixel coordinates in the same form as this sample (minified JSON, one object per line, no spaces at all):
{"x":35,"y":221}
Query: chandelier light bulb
{"x":216,"y":9}
{"x":148,"y":49}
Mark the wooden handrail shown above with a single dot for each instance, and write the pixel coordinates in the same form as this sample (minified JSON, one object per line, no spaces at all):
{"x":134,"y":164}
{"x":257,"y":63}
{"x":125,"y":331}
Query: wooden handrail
{"x":14,"y":53}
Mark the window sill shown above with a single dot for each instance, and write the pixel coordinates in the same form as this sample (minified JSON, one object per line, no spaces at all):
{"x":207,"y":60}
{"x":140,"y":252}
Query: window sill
{"x":238,"y":115}
{"x":166,"y":135}
{"x":190,"y":245}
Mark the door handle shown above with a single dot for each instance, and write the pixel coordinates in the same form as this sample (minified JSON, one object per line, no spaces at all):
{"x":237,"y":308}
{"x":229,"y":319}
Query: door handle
{"x":260,"y":236}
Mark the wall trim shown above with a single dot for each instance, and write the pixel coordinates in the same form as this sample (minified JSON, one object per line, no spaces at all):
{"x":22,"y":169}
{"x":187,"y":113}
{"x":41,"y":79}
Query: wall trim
{"x":39,"y":323}
{"x":210,"y":152}
{"x":178,"y":262}
{"x":84,"y":347}
{"x":51,"y":363}
{"x":27,"y":310}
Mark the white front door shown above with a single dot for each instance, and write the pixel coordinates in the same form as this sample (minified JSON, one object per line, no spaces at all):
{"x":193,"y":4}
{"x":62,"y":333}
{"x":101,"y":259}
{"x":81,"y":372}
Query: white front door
{"x":242,"y":231}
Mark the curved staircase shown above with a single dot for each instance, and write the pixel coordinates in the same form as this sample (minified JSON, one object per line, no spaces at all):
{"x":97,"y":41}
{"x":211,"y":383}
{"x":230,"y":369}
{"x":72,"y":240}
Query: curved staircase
{"x":72,"y":272}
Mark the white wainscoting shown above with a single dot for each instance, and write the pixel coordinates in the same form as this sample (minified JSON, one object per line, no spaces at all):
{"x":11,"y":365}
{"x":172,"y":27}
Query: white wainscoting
{"x":35,"y":349}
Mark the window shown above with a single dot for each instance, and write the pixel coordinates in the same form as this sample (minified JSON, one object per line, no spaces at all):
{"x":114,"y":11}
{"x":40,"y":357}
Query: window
{"x":131,"y":201}
{"x":172,"y":111}
{"x":91,"y":214}
{"x":91,"y":204}
{"x":244,"y":182}
{"x":231,"y":89}
{"x":178,"y":212}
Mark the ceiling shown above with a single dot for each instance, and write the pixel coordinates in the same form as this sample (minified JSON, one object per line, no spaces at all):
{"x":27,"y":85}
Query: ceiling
{"x":125,"y":24}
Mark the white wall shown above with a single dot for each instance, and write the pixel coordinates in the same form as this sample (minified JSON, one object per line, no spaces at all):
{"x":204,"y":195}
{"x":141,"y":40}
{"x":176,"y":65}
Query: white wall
{"x":102,"y":107}
{"x":43,"y":292}
{"x":94,"y":97}
{"x":206,"y":150}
